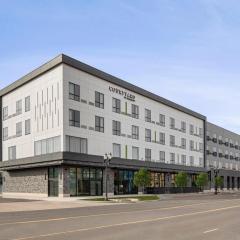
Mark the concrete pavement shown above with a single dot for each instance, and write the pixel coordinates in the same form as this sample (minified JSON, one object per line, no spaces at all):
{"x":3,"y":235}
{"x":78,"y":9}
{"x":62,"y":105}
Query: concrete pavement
{"x":182,"y":218}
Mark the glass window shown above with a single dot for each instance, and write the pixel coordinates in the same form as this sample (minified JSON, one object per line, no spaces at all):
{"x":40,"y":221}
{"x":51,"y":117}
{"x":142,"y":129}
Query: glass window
{"x":162,"y":120}
{"x":191,"y":129}
{"x":74,"y":118}
{"x":50,"y":145}
{"x":183,"y":143}
{"x":27,"y":103}
{"x":57,"y":144}
{"x":83,"y":142}
{"x":19,"y":129}
{"x":183,"y":159}
{"x":172,"y":140}
{"x":99,"y":124}
{"x":191,"y":145}
{"x":5,"y":113}
{"x":172,"y":123}
{"x":116,"y":105}
{"x":99,"y":99}
{"x":148,"y":135}
{"x":19,"y":107}
{"x":162,"y":156}
{"x":191,"y":160}
{"x":27,"y":127}
{"x":148,"y":115}
{"x":76,"y":144}
{"x":5,"y":133}
{"x":183,"y":126}
{"x":200,"y":147}
{"x":135,"y":111}
{"x":37,"y":148}
{"x":135,"y":132}
{"x":12,"y":153}
{"x":148,"y":154}
{"x":162,"y":138}
{"x":116,"y":128}
{"x":74,"y":91}
{"x":172,"y":158}
{"x":116,"y":150}
{"x":135,"y":153}
{"x":200,"y":132}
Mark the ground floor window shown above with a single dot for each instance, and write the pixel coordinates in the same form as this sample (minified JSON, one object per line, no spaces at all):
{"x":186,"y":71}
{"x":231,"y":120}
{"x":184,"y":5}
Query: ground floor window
{"x":53,"y":181}
{"x":123,"y":182}
{"x":85,"y":181}
{"x":157,"y":179}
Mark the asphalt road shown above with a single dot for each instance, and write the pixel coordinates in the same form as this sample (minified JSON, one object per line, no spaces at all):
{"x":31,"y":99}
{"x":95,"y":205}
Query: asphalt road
{"x":180,"y":218}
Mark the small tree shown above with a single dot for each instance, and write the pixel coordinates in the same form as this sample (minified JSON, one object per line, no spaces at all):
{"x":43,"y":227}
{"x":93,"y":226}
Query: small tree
{"x":142,"y":178}
{"x":218,"y":181}
{"x":181,"y":180}
{"x":202,"y":180}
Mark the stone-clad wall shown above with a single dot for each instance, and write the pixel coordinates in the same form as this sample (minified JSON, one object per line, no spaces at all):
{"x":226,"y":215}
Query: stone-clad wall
{"x":26,"y":181}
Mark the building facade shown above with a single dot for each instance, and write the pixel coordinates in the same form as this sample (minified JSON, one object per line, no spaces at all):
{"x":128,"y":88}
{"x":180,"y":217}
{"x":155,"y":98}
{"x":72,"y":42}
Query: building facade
{"x":58,"y":122}
{"x":223,"y":156}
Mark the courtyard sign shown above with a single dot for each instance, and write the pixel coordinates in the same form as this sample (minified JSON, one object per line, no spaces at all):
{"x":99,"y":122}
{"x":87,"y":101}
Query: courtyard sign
{"x":125,"y":94}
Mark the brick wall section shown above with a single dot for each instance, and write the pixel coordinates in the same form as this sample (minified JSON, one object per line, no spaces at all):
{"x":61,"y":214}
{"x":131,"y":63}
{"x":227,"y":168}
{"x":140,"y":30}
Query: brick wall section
{"x":26,"y":181}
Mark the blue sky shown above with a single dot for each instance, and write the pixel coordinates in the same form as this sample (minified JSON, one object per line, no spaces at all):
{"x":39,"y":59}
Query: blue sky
{"x":186,"y":51}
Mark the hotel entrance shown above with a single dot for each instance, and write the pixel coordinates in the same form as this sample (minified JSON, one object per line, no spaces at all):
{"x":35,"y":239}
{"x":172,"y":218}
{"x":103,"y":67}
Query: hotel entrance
{"x":85,"y":181}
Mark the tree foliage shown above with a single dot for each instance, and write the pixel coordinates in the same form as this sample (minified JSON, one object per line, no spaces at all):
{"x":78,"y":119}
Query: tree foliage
{"x":218,"y":181}
{"x":181,"y":179}
{"x":142,"y":178}
{"x":202,"y":180}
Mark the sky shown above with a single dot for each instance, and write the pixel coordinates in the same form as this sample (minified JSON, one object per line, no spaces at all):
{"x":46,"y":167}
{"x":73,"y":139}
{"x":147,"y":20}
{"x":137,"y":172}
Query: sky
{"x":186,"y":51}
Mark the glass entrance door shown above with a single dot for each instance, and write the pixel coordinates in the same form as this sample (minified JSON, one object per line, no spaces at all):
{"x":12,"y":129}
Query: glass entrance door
{"x":53,"y":182}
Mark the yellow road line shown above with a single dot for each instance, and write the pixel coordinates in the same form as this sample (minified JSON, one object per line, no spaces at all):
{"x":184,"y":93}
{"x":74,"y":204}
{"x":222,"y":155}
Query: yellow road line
{"x":110,"y":214}
{"x":126,"y":223}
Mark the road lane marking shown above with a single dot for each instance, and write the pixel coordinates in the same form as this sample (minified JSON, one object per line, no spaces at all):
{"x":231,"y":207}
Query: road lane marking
{"x":212,"y":230}
{"x":125,"y":223}
{"x":109,"y":214}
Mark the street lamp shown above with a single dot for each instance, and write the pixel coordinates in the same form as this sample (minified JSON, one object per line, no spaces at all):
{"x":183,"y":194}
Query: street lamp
{"x":107,"y":158}
{"x":216,"y":172}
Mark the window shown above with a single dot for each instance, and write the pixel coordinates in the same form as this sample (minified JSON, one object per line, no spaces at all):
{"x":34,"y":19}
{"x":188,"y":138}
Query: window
{"x":27,"y":103}
{"x":147,"y":154}
{"x":76,"y":144}
{"x":183,"y":126}
{"x":201,"y":147}
{"x":135,"y":111}
{"x":5,"y":113}
{"x":201,"y":162}
{"x":116,"y":150}
{"x":148,"y":135}
{"x":27,"y":127}
{"x":172,"y":140}
{"x":19,"y":107}
{"x":162,"y":120}
{"x":162,"y":138}
{"x":172,"y":123}
{"x":5,"y":133}
{"x":162,"y":156}
{"x":183,"y":143}
{"x":191,"y":129}
{"x":116,"y":128}
{"x":19,"y":129}
{"x":48,"y":145}
{"x":191,"y":160}
{"x":74,"y":118}
{"x":172,"y":158}
{"x":74,"y":91}
{"x":116,"y":105}
{"x":147,"y":115}
{"x":12,"y":153}
{"x":99,"y":99}
{"x":135,"y":132}
{"x":183,"y":159}
{"x":99,"y":124}
{"x":191,"y":145}
{"x":200,"y":132}
{"x":135,"y":153}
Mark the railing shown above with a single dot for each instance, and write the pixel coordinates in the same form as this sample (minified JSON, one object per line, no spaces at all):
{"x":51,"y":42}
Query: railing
{"x":162,"y":190}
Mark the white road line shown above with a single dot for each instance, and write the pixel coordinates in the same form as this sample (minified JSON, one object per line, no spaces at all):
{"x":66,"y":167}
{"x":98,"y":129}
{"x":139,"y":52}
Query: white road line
{"x":212,"y":230}
{"x":124,"y":223}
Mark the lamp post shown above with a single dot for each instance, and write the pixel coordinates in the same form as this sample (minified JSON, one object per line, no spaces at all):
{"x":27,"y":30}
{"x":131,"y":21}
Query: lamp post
{"x":216,"y":172}
{"x":107,"y":158}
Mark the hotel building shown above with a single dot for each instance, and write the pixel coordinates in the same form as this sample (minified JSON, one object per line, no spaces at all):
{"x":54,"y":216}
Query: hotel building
{"x":58,"y":121}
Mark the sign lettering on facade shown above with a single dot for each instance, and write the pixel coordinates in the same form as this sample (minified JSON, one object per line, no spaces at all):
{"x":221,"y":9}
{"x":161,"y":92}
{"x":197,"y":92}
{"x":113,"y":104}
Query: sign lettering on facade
{"x":125,"y":94}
